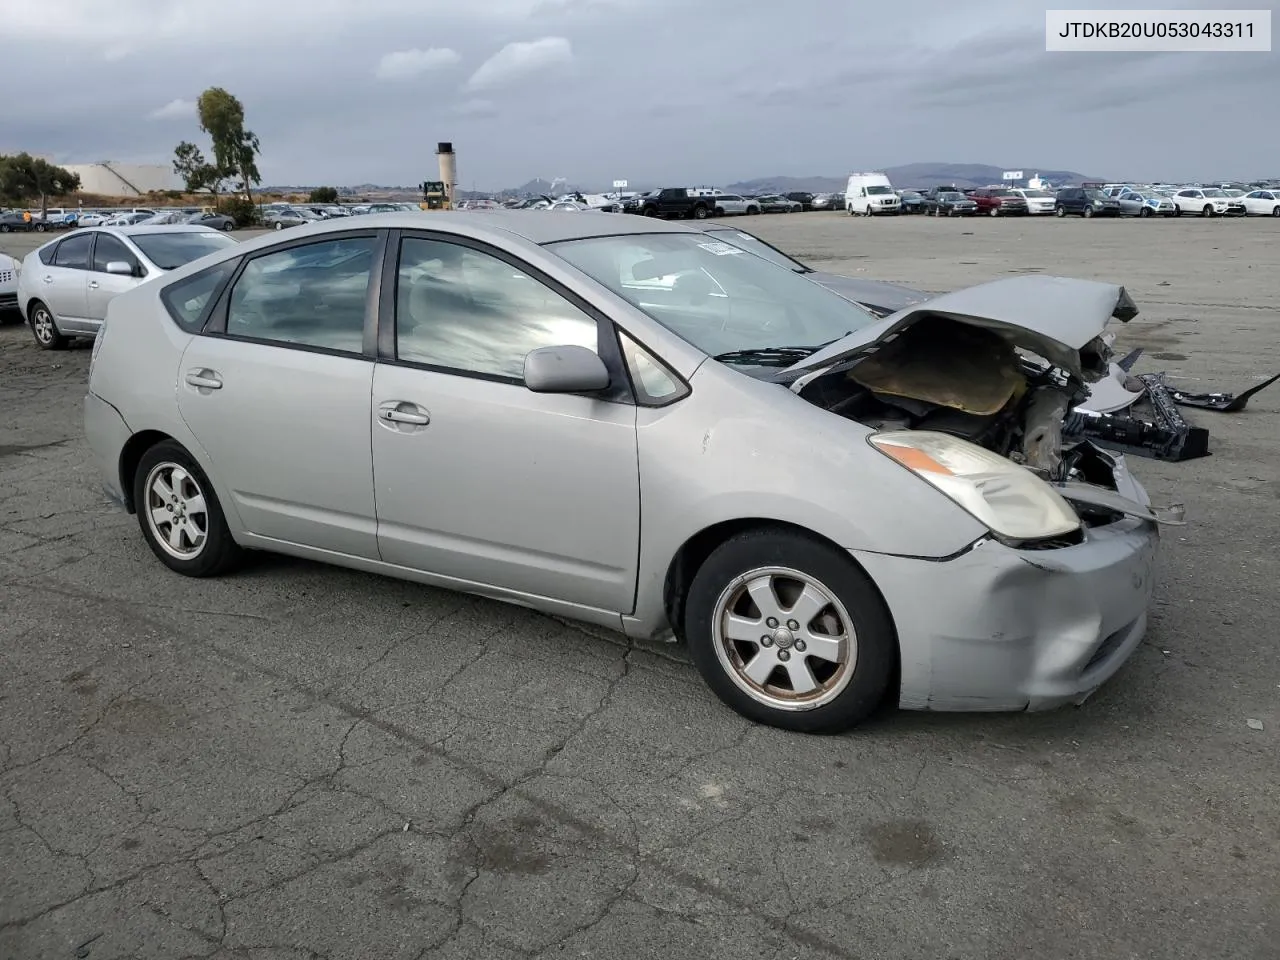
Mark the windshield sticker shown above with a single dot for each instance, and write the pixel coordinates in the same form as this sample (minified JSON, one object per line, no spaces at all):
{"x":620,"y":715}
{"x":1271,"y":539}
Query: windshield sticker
{"x":720,"y":248}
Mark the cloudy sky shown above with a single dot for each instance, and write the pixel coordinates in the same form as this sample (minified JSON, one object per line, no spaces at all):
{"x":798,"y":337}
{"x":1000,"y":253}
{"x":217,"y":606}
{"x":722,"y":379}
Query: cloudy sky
{"x":705,"y":91}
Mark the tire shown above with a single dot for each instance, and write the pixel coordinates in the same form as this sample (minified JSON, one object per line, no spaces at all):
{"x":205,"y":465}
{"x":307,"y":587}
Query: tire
{"x":650,"y":211}
{"x":4,"y":228}
{"x":1177,"y":211}
{"x":995,"y":211}
{"x":699,"y":212}
{"x":719,"y":211}
{"x":849,"y":209}
{"x":851,"y":675}
{"x":228,"y":227}
{"x":1275,"y":211}
{"x":1207,"y":211}
{"x":279,"y":225}
{"x":204,"y":547}
{"x":1144,"y":212}
{"x":41,"y":228}
{"x":1059,"y":211}
{"x":752,"y":211}
{"x":1088,"y":212}
{"x":45,"y":328}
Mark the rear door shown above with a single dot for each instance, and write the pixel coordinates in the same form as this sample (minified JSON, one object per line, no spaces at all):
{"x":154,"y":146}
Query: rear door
{"x":64,"y":283}
{"x":277,"y":392}
{"x":103,"y":286}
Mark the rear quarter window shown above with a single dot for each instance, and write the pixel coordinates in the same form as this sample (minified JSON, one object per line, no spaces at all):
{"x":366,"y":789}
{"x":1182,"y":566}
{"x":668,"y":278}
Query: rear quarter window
{"x":189,"y":300}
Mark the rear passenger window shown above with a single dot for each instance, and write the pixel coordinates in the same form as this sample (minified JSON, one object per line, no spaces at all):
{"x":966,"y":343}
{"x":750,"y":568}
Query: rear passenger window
{"x":188,"y":300}
{"x":73,"y":252}
{"x":312,"y":295}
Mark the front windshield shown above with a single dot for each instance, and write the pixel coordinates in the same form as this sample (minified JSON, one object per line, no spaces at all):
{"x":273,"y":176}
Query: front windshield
{"x":1216,"y":194}
{"x":1095,"y":195}
{"x":753,"y":244}
{"x":878,"y":191}
{"x":715,"y":295}
{"x":171,"y":250}
{"x":951,"y":196}
{"x":1037,"y":195}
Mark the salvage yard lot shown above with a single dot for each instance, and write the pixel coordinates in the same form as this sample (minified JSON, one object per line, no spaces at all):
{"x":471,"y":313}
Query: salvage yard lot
{"x":301,"y":761}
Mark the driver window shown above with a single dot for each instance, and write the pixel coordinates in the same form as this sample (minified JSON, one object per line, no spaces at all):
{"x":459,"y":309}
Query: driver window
{"x":465,"y":310}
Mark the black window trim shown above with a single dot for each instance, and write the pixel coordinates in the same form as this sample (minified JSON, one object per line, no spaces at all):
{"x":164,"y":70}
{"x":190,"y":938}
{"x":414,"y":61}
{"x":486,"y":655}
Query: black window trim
{"x":215,"y":322}
{"x":642,"y":396}
{"x":619,"y":390}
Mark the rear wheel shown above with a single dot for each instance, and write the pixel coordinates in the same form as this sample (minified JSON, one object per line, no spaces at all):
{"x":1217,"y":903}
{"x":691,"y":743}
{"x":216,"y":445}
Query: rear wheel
{"x":1275,"y":211}
{"x":699,"y":212}
{"x":995,"y":211}
{"x":44,"y":328}
{"x":179,"y":513}
{"x":789,"y":632}
{"x":279,"y":225}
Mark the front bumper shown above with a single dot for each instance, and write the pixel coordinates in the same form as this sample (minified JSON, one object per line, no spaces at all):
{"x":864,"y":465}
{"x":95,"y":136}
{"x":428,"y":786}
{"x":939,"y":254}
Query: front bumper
{"x":1003,"y":629}
{"x":107,"y":434}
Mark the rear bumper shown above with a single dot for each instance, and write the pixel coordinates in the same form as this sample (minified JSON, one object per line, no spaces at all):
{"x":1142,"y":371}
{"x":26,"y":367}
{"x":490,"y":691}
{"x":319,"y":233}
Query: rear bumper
{"x":1006,"y":629}
{"x":107,"y":433}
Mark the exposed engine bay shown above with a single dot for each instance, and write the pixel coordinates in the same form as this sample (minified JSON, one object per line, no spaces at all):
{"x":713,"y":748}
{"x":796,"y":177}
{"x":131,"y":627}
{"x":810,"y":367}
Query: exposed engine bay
{"x":945,"y":375}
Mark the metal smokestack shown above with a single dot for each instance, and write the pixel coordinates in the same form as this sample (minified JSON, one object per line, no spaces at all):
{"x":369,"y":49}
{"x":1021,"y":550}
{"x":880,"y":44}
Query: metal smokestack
{"x":448,"y":170}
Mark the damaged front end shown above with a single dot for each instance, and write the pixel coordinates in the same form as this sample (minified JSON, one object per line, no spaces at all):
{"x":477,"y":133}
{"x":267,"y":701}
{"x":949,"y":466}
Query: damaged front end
{"x":1002,"y":366}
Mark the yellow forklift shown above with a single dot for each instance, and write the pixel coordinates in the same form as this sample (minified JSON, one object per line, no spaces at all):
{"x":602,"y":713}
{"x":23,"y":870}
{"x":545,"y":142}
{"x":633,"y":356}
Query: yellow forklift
{"x":434,"y":196}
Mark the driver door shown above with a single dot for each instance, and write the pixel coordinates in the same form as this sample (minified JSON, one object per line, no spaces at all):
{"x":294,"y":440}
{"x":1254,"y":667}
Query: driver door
{"x":478,"y":479}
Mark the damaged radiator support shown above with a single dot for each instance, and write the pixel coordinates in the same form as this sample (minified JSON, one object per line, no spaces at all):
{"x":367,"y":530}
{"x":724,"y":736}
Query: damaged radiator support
{"x":1167,"y":436}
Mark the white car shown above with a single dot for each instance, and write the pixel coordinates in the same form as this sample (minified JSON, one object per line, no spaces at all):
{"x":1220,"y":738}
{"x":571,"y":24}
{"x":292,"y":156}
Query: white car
{"x":93,"y":219}
{"x":1135,"y":204}
{"x":1204,"y":202}
{"x":1262,"y":203}
{"x":64,"y":286}
{"x":1038,"y":201}
{"x":8,"y":286}
{"x":729,"y":204}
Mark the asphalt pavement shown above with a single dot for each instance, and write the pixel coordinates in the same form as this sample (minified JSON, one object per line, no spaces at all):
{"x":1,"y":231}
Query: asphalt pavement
{"x":300,"y":761}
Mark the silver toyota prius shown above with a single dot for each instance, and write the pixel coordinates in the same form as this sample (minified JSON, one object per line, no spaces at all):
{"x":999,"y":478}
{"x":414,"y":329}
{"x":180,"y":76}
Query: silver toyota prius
{"x":632,"y":423}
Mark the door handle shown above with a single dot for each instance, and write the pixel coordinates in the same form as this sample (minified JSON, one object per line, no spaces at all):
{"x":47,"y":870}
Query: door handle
{"x":397,"y":411}
{"x":48,"y":279}
{"x":205,"y":379}
{"x":93,"y":284}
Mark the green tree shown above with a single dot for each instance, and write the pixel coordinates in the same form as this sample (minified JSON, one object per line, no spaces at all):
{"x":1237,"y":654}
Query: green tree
{"x":197,"y":173}
{"x":323,"y":195}
{"x":23,"y":177}
{"x":235,"y":149}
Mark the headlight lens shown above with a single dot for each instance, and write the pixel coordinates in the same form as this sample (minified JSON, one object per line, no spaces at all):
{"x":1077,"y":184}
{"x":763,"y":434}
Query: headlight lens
{"x":1010,"y":500}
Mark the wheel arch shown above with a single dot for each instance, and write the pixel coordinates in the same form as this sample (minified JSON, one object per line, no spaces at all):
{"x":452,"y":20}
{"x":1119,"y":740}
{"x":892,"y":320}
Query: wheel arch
{"x":131,"y":455}
{"x":693,"y":553}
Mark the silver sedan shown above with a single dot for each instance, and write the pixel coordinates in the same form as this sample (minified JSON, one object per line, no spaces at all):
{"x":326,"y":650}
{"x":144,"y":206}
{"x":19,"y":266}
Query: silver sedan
{"x":634,"y":424}
{"x":64,"y":287}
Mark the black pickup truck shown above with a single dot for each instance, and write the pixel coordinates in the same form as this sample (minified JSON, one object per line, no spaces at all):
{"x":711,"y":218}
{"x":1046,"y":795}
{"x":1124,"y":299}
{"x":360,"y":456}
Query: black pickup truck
{"x":678,"y":202}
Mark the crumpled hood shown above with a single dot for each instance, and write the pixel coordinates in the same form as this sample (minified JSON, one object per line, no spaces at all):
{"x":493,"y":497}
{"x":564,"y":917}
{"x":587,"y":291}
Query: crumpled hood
{"x":1057,"y":318}
{"x":885,"y":298}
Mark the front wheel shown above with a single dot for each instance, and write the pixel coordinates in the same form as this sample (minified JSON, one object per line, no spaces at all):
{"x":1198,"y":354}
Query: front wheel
{"x":995,"y":211}
{"x":1207,"y":211}
{"x":1144,"y":212}
{"x":179,"y":513}
{"x":1088,"y":212}
{"x":279,"y":225}
{"x":699,"y":213}
{"x":790,"y":632}
{"x":45,"y":329}
{"x":1059,"y":211}
{"x":41,"y":228}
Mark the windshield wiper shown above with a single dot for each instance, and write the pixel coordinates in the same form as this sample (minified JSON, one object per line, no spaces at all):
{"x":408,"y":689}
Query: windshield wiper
{"x":784,"y":356}
{"x":773,"y":356}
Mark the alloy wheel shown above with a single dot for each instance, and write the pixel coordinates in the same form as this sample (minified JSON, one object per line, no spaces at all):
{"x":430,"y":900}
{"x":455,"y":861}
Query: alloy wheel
{"x":784,"y":639}
{"x":176,"y":511}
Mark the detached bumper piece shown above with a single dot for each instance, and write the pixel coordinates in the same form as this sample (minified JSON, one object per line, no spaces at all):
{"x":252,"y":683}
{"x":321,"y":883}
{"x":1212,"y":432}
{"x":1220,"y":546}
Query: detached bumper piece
{"x":1154,"y":427}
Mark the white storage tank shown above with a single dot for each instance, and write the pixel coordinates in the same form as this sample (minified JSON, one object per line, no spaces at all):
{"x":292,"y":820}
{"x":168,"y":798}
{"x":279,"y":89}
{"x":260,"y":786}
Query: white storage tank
{"x":110,"y":179}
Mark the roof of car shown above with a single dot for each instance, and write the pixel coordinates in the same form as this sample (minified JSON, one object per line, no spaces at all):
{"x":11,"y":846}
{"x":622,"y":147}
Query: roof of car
{"x":536,"y":226}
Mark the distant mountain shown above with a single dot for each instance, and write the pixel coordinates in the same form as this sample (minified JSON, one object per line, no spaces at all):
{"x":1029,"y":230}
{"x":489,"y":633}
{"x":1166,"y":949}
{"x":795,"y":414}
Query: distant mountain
{"x":762,"y":185}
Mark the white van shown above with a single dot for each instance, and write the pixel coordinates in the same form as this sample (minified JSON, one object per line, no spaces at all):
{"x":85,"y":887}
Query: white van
{"x":870,"y":193}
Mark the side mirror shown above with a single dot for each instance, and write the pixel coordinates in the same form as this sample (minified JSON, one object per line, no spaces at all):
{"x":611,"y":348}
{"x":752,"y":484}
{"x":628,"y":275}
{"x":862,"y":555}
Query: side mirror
{"x":567,"y":369}
{"x":120,"y":268}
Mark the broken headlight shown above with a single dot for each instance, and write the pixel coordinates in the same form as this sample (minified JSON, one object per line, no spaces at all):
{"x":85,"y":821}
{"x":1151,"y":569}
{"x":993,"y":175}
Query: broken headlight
{"x":1010,"y":500}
